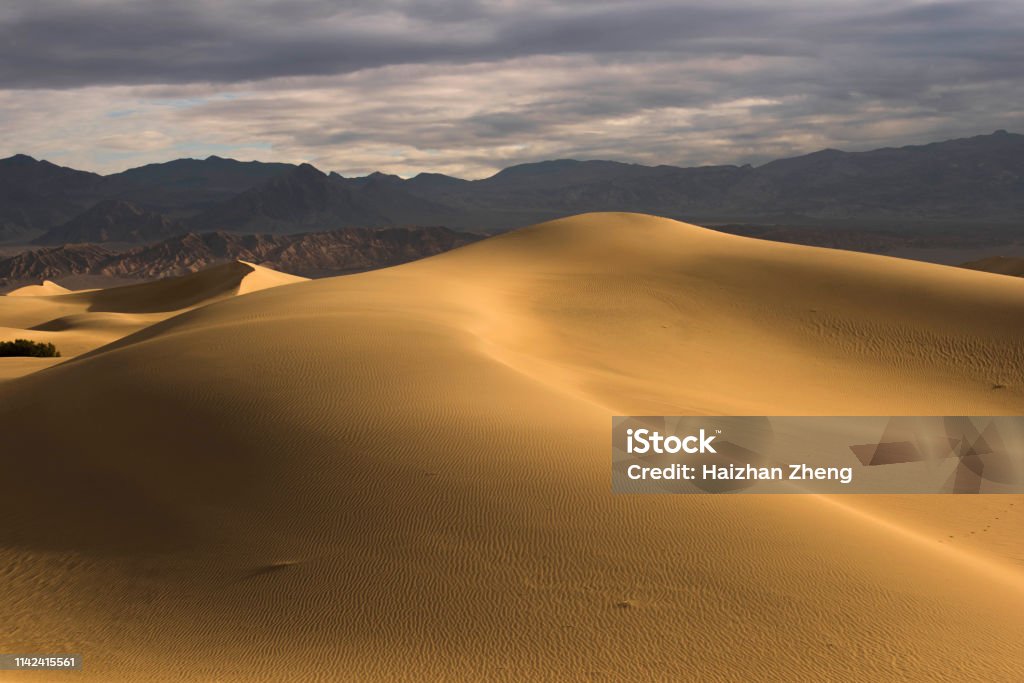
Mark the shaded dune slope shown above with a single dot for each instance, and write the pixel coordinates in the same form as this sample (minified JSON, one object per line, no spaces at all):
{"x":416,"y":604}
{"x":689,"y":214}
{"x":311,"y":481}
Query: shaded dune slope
{"x":186,"y":291}
{"x":404,"y":474}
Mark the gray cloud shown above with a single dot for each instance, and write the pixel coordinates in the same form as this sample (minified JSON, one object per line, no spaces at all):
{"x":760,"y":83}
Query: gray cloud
{"x":468,"y":86}
{"x":71,"y":44}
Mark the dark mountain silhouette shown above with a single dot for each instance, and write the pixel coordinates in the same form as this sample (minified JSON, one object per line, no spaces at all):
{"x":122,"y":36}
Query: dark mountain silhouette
{"x":959,"y":185}
{"x":112,"y":220}
{"x":979,"y":177}
{"x":36,"y":195}
{"x":187,"y":185}
{"x":309,"y":254}
{"x":305,"y":198}
{"x":302,"y":198}
{"x":977,"y":180}
{"x":395,"y":204}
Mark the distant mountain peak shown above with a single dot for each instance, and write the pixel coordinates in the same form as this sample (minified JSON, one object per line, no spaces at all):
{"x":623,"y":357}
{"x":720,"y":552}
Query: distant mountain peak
{"x":533,"y":167}
{"x":308,"y":170}
{"x":20,"y":159}
{"x":379,"y":180}
{"x":431,"y":174}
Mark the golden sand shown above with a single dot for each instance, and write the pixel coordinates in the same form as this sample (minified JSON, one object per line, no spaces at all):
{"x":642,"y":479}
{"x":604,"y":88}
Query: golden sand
{"x":404,"y":474}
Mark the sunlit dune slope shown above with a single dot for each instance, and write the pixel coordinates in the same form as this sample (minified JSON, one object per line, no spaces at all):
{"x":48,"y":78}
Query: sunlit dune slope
{"x":404,"y":474}
{"x":77,"y":322}
{"x":47,"y":288}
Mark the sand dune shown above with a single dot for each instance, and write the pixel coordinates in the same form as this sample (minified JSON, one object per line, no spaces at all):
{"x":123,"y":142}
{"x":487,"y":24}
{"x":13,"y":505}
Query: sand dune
{"x":186,"y":291}
{"x":47,"y":288}
{"x":19,"y":367}
{"x":403,"y":474}
{"x":77,"y":322}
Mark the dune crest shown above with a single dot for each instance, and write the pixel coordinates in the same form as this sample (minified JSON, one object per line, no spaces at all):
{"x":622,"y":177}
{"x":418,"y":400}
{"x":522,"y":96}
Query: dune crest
{"x":185,"y":291}
{"x":263,"y":278}
{"x":47,"y":288}
{"x":404,"y":473}
{"x":77,"y":322}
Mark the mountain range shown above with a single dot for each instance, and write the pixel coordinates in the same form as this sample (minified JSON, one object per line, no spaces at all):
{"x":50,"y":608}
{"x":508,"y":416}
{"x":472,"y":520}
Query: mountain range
{"x":112,"y":220}
{"x":970,"y":184}
{"x":307,"y":254}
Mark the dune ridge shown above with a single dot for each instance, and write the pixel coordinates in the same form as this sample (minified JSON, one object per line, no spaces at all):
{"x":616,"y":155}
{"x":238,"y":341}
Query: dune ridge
{"x":78,"y":322}
{"x":403,"y":474}
{"x":185,"y":291}
{"x":46,"y":288}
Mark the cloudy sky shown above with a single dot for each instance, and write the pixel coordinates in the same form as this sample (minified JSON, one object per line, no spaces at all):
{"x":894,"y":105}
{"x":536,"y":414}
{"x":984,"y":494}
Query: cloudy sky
{"x":467,"y":87}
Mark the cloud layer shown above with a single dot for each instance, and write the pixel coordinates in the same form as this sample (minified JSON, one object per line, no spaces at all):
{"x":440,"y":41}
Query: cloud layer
{"x":470,"y":86}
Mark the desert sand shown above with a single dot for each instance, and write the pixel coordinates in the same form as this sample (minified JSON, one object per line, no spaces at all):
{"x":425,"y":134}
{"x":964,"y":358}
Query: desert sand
{"x":45,"y":288}
{"x":404,"y":474}
{"x":77,"y":322}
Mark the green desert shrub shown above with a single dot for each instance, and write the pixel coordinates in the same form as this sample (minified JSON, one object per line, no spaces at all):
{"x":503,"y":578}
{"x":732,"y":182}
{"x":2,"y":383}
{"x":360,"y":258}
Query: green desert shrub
{"x":26,"y":347}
